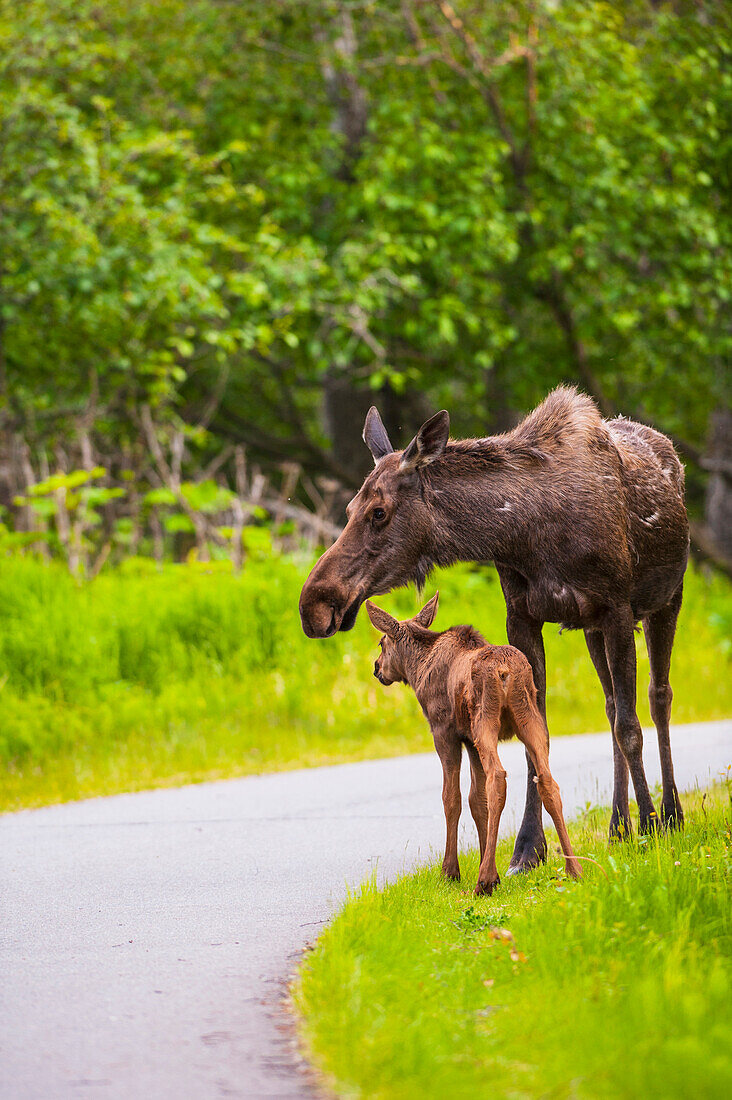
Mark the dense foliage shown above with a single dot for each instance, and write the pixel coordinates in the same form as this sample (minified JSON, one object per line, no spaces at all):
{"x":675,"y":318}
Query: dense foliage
{"x":225,"y":210}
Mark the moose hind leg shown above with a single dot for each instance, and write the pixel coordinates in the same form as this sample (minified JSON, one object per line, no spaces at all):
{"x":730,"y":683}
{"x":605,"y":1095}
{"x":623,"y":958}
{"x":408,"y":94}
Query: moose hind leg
{"x":477,"y":797}
{"x":530,"y":846}
{"x":659,"y":629}
{"x":620,"y":819}
{"x":488,"y":877}
{"x":620,"y":650}
{"x":533,"y":736}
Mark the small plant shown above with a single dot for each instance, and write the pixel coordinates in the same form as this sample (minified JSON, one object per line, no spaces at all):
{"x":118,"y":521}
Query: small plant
{"x":69,"y":506}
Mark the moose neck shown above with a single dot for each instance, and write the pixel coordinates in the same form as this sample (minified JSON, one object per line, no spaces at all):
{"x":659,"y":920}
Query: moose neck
{"x":415,"y":654}
{"x":483,"y":513}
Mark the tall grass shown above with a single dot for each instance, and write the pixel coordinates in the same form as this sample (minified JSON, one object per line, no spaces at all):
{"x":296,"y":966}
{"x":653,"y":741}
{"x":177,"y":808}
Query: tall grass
{"x":617,"y":986}
{"x":146,"y":677}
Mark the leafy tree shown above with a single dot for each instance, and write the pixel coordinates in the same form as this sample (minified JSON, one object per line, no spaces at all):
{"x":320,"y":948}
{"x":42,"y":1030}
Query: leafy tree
{"x":260,"y":218}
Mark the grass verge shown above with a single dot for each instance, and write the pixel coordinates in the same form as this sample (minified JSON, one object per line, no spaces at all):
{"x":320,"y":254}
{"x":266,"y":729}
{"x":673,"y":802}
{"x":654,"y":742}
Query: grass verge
{"x":145,"y":678}
{"x":616,"y":986}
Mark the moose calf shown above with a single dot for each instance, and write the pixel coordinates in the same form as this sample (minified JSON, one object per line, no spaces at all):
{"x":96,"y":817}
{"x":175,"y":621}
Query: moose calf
{"x":472,"y":694}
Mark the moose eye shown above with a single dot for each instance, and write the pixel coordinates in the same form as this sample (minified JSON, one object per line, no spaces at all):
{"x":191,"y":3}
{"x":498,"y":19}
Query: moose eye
{"x":378,"y":514}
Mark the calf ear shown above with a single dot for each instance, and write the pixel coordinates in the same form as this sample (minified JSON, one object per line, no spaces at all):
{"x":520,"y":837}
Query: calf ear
{"x":426,"y":616}
{"x":374,"y":435}
{"x":382,"y":620}
{"x":429,"y":442}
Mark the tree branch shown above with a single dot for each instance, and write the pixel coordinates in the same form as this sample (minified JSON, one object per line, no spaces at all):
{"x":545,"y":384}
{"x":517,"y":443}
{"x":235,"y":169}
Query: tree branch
{"x":552,"y":293}
{"x":485,"y":85}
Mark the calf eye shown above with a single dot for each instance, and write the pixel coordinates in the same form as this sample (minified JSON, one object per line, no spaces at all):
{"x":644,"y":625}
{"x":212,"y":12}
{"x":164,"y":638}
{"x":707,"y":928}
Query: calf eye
{"x":379,"y":514}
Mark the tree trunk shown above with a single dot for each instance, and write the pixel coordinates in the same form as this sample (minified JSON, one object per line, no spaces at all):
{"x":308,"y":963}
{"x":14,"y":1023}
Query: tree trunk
{"x":718,"y":505}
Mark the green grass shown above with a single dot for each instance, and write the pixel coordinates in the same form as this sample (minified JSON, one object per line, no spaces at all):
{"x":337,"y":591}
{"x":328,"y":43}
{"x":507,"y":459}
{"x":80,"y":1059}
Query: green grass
{"x":147,"y":678}
{"x":616,"y":986}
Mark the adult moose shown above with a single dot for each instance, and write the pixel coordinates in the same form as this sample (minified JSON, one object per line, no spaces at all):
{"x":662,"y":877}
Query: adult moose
{"x":585,"y":521}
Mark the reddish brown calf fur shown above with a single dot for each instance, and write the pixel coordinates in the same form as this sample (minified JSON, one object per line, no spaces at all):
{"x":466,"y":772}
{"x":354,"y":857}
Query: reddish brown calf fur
{"x":472,"y":694}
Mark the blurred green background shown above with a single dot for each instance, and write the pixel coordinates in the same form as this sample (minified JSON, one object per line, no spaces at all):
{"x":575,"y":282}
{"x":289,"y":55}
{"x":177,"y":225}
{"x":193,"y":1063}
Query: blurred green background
{"x":226,"y":229}
{"x":150,"y":677}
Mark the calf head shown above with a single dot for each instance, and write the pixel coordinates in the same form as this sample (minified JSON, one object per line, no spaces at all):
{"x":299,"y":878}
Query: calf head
{"x":397,"y":639}
{"x":387,"y":541}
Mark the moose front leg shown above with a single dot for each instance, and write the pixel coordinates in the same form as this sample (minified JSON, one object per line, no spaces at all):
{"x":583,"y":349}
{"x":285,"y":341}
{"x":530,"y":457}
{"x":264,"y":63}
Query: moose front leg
{"x":620,"y":650}
{"x":530,"y":847}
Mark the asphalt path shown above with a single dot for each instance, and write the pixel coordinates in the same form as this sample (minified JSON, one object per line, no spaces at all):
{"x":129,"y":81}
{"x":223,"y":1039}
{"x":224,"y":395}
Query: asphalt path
{"x":146,"y":938}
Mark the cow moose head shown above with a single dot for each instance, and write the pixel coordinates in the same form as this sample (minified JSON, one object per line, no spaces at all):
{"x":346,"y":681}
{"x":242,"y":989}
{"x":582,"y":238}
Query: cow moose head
{"x":388,"y":539}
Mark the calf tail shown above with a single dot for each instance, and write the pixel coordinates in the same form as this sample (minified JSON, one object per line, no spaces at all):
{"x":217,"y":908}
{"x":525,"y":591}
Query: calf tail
{"x":505,"y":679}
{"x":492,"y":688}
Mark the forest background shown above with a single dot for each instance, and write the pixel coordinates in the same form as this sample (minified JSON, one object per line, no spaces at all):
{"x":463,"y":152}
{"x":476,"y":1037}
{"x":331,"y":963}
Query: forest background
{"x":227,"y":228}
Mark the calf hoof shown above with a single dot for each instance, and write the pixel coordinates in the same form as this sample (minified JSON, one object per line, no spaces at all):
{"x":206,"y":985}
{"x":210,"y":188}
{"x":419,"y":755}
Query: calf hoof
{"x":671,"y":813}
{"x":573,"y":868}
{"x":528,"y":853}
{"x":485,"y":889}
{"x":451,"y":873}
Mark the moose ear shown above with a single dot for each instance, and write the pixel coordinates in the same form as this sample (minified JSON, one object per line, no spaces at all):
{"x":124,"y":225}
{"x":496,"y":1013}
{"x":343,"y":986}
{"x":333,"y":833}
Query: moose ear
{"x":374,"y":435}
{"x":428,"y":444}
{"x":426,"y":616}
{"x":382,"y":620}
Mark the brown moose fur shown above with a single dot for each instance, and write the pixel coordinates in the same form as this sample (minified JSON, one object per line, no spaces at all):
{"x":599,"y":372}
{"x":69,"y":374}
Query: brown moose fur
{"x":586,"y":523}
{"x":472,"y":694}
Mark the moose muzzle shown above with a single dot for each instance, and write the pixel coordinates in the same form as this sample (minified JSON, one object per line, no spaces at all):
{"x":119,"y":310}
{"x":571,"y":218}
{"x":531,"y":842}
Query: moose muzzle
{"x":327,"y":608}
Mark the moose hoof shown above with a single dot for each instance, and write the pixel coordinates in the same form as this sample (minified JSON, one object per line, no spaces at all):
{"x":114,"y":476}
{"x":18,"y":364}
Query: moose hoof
{"x":649,"y":824}
{"x":620,"y":828}
{"x":528,"y":853}
{"x":672,"y":815}
{"x":485,"y":889}
{"x":451,"y":874}
{"x":522,"y":864}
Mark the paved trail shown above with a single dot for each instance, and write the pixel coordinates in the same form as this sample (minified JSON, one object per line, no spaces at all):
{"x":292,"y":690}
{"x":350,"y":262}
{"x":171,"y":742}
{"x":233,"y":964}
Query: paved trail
{"x":145,"y":938}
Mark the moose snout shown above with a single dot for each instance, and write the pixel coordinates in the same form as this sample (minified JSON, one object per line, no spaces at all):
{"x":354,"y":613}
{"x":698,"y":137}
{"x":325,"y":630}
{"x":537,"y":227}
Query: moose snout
{"x":380,"y":676}
{"x":331,"y":596}
{"x":318,"y":618}
{"x":325,"y":610}
{"x":321,"y":609}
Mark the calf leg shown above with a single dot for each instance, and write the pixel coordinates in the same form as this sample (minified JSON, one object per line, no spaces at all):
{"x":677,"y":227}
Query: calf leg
{"x":533,"y":735}
{"x":486,"y":743}
{"x":477,"y":797}
{"x":530,"y":846}
{"x":620,"y":819}
{"x":659,"y":629}
{"x":450,"y":752}
{"x":620,"y":650}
